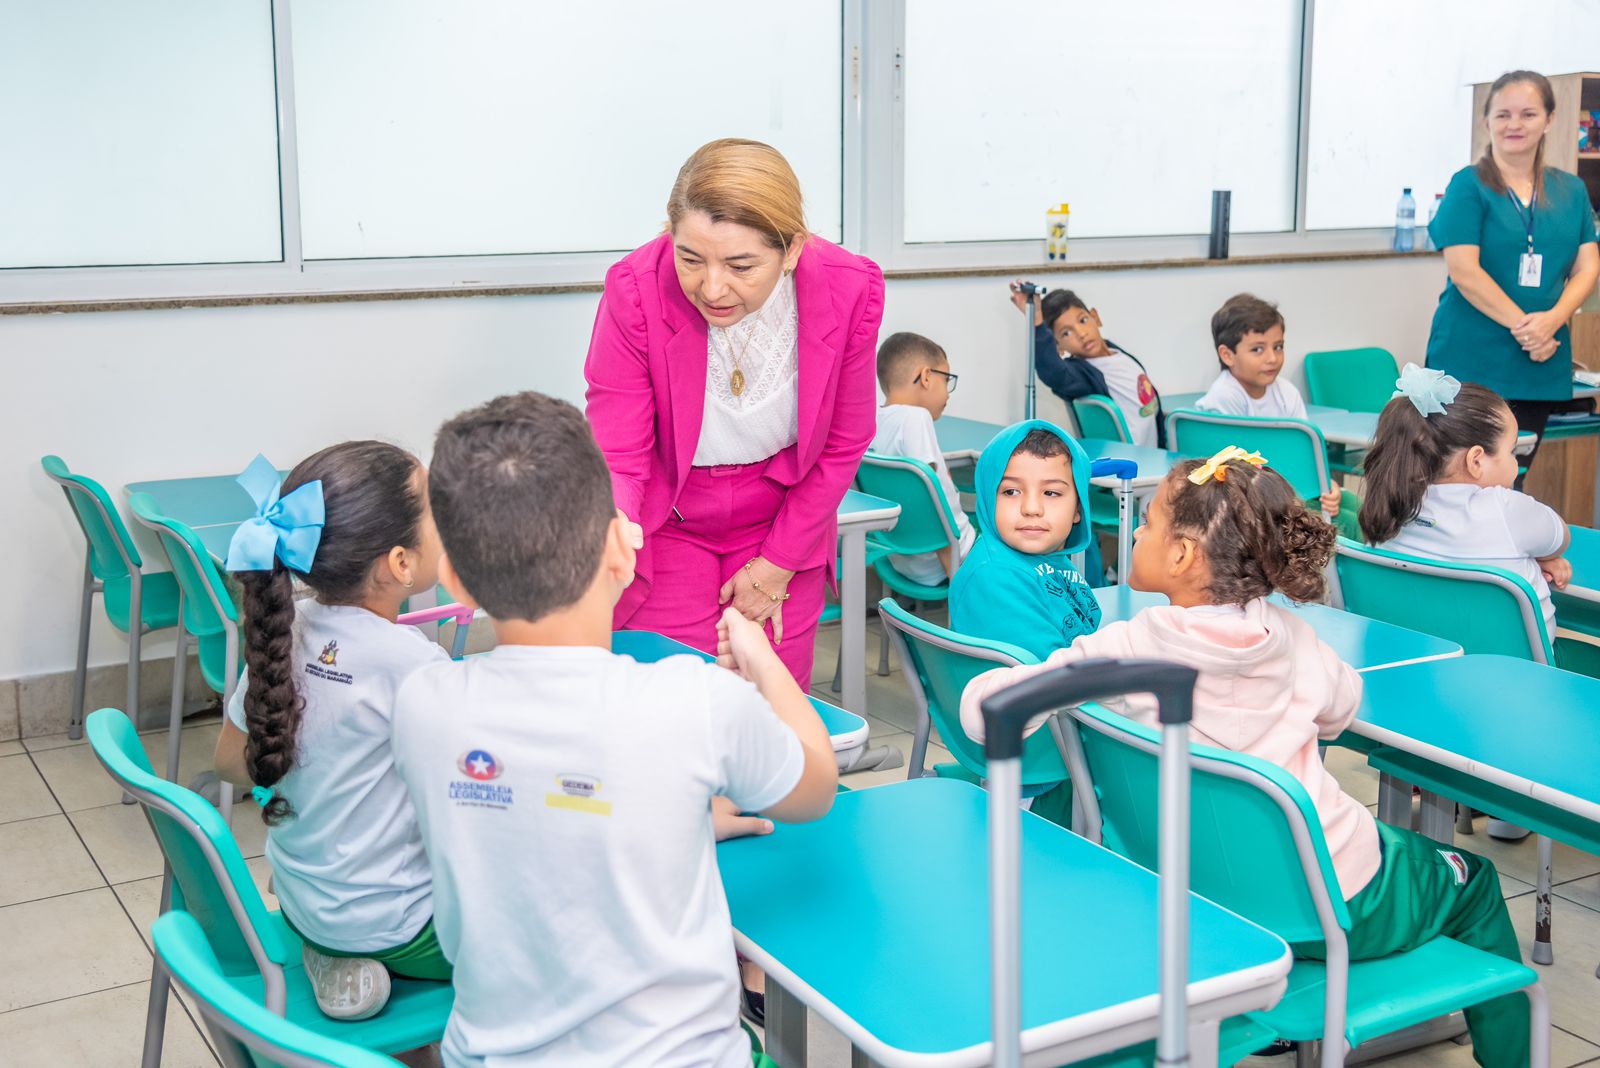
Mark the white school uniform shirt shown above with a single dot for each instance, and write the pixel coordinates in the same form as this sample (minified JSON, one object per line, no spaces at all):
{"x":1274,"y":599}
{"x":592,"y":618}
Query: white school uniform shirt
{"x":907,"y":430}
{"x":1131,"y":388}
{"x":1486,"y":525}
{"x":1227,"y":397}
{"x":564,"y":795}
{"x":348,"y":868}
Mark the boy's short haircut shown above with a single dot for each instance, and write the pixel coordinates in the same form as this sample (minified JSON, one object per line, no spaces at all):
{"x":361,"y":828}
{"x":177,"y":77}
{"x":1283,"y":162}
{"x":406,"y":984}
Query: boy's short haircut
{"x":899,"y":352}
{"x":1044,"y":445}
{"x":1243,"y":314}
{"x":1057,"y":303}
{"x":522,"y":498}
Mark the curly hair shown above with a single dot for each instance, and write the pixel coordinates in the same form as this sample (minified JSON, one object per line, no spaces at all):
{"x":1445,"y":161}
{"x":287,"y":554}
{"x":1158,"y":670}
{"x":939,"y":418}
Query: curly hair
{"x":374,"y":502}
{"x":1255,"y":533}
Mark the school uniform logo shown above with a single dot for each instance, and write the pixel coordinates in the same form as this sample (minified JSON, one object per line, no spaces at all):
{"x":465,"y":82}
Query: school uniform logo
{"x":479,"y":764}
{"x":324,"y":664}
{"x":578,"y":794}
{"x":478,"y":789}
{"x":1457,"y":864}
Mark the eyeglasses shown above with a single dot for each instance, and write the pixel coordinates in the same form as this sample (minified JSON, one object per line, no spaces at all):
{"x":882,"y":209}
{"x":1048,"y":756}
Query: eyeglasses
{"x":950,"y":379}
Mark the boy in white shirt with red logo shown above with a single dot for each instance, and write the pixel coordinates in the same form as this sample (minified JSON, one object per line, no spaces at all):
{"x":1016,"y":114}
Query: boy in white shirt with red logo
{"x":565,"y":792}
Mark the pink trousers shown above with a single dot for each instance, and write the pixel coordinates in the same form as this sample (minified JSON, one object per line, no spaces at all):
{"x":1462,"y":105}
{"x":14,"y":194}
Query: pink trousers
{"x":722,"y":516}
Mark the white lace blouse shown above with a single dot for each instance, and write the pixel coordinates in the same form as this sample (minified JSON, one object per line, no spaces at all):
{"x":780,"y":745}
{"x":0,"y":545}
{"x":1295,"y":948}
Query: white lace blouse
{"x":764,"y":418}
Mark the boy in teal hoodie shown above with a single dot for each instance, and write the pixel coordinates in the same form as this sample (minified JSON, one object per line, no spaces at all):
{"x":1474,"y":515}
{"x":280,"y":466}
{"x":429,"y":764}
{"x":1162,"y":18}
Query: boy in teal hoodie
{"x":1018,"y":584}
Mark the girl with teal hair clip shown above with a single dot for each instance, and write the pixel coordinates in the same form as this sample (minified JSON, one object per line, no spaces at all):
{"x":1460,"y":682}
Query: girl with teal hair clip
{"x":1019,"y":584}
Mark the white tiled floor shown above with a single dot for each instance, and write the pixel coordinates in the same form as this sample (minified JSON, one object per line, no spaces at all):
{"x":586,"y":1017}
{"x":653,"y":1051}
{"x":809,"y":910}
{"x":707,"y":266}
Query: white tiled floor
{"x":80,"y":883}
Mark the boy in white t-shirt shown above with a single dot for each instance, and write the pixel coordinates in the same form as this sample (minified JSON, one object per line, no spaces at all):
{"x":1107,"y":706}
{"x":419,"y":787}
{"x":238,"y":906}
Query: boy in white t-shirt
{"x":1248,"y":333}
{"x":914,"y":374}
{"x":1072,"y":357}
{"x":564,"y":792}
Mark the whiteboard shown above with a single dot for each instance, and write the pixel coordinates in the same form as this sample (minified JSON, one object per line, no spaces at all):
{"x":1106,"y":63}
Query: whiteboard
{"x":1391,"y":92}
{"x":499,"y":127}
{"x":137,"y":133}
{"x":1131,"y":112}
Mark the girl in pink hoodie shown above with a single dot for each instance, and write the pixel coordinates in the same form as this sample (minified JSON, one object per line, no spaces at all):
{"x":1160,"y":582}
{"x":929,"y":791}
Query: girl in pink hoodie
{"x":1220,"y":536}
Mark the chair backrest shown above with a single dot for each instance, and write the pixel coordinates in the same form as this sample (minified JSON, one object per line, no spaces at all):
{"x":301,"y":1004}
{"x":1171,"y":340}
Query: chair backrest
{"x":209,"y":877}
{"x":208,"y":607}
{"x":1483,"y":609}
{"x":246,"y":1035}
{"x":938,"y":664}
{"x":1360,"y":380}
{"x":1255,"y":846}
{"x":927,"y":523}
{"x":112,"y":553}
{"x":1099,"y":417}
{"x":1293,"y":447}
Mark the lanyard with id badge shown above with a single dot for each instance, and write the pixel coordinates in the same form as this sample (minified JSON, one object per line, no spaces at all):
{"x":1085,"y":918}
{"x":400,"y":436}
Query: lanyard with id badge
{"x":1531,"y":264}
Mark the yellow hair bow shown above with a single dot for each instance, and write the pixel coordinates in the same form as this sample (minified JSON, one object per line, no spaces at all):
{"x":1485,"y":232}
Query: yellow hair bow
{"x":1216,"y":467}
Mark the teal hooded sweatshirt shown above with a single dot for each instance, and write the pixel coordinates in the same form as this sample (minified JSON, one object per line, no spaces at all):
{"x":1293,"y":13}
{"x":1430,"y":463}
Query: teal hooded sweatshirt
{"x":1037,"y":601}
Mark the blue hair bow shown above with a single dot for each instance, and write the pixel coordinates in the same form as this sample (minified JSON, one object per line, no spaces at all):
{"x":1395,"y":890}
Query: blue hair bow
{"x":289,"y":528}
{"x":1429,"y":390}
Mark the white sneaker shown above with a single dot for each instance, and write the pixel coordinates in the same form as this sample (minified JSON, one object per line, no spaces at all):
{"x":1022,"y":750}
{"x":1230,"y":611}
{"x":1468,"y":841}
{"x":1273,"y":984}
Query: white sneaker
{"x":347,"y":988}
{"x":1506,"y":832}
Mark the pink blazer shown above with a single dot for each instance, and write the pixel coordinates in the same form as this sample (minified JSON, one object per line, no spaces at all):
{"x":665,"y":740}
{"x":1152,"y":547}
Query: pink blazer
{"x":646,"y":373}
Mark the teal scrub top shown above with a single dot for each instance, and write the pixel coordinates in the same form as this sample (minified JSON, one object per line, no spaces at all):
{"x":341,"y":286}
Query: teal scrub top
{"x":1468,"y":344}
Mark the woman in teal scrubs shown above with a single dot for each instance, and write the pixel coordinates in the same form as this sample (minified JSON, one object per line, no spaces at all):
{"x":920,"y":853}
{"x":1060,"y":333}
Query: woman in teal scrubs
{"x":1519,"y":243}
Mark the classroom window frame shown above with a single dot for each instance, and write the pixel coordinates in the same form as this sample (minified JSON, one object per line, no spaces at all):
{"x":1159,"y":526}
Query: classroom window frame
{"x":872,"y":183}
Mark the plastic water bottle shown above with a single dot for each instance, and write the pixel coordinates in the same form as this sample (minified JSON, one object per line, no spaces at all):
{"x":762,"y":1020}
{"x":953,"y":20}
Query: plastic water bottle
{"x":1405,"y":222}
{"x":1433,"y":213}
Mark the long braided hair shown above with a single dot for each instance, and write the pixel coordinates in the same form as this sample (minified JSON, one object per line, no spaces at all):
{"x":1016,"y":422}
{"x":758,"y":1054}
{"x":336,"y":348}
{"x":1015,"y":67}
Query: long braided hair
{"x":375,"y":500}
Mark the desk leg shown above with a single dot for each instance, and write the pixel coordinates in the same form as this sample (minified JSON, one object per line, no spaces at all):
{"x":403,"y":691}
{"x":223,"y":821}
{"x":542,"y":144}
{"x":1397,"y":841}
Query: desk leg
{"x":1204,"y":1038}
{"x":1394,"y":801}
{"x":1438,"y":817}
{"x":853,"y":620}
{"x":786,"y":1026}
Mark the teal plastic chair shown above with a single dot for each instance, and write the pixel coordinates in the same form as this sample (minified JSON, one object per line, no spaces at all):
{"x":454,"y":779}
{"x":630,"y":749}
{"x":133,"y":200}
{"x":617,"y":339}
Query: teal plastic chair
{"x":244,"y":1033}
{"x":135,"y":603}
{"x":1256,"y":847}
{"x":207,"y":613}
{"x":1099,"y":417}
{"x":1358,"y":380}
{"x":1484,"y":610}
{"x":938,"y":663}
{"x":927,"y":524}
{"x":1293,"y":447}
{"x":927,"y":521}
{"x":256,"y":951}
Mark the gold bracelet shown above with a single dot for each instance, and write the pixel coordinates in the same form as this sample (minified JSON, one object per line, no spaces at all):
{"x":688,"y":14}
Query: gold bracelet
{"x":779,"y":599}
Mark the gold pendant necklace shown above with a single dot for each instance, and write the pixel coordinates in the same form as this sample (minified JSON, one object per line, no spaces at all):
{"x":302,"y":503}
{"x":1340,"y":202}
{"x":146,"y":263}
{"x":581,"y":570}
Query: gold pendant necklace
{"x":736,"y":380}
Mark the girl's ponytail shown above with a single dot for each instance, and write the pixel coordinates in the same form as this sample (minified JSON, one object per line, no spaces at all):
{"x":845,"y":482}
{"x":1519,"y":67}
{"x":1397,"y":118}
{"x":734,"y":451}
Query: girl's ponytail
{"x":271,"y":704}
{"x":1297,"y":562}
{"x":1410,"y":452}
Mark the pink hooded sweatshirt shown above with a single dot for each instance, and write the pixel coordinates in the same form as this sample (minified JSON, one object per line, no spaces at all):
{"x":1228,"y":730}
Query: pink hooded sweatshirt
{"x":1268,"y":687}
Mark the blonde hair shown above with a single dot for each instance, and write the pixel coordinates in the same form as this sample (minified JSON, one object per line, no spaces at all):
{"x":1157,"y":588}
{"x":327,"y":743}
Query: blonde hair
{"x":744,"y":182}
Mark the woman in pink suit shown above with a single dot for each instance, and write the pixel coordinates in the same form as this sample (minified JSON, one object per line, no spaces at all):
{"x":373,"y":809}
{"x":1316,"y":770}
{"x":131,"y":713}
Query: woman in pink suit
{"x":731,"y":386}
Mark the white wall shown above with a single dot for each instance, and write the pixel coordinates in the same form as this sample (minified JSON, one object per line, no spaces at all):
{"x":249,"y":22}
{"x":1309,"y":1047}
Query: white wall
{"x":124,"y":396}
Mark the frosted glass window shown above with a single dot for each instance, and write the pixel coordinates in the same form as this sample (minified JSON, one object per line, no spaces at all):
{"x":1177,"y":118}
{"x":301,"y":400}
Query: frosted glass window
{"x":137,"y":133}
{"x":1391,"y":92}
{"x":499,"y":126}
{"x":1131,"y":112}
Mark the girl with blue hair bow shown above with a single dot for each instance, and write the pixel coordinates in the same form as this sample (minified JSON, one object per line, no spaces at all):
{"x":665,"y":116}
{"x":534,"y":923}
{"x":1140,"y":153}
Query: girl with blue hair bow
{"x":1439,"y":483}
{"x":312,"y":718}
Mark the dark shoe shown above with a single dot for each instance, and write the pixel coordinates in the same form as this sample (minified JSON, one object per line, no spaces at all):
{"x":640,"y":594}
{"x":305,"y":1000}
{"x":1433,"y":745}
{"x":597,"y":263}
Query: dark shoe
{"x":753,"y":1005}
{"x":1279,"y":1047}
